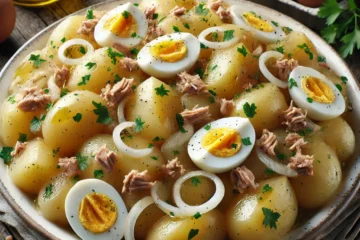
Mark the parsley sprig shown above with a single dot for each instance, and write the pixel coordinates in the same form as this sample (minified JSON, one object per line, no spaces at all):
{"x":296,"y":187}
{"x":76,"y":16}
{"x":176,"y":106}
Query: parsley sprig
{"x":36,"y":60}
{"x":102,"y":112}
{"x":271,"y":217}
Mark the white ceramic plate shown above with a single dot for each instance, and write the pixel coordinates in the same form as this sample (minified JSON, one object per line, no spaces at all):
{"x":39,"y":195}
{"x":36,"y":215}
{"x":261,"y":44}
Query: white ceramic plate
{"x":317,"y":225}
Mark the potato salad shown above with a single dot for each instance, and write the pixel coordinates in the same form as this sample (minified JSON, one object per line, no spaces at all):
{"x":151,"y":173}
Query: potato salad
{"x":164,"y":120}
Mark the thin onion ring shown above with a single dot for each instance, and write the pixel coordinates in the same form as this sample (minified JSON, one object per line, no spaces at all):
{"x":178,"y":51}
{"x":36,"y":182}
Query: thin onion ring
{"x":120,"y":110}
{"x":275,"y":166}
{"x":179,"y":138}
{"x":216,"y":45}
{"x":134,"y":214}
{"x":69,"y":43}
{"x":132,"y":152}
{"x":265,"y":71}
{"x":210,"y":204}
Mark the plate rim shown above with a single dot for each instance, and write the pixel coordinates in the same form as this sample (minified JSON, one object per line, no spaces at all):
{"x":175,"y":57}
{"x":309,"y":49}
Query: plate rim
{"x":317,"y":232}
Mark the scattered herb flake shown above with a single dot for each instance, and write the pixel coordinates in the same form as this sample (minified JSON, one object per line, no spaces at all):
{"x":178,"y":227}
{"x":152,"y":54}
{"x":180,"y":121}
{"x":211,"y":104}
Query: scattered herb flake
{"x":134,"y":51}
{"x":280,"y":49}
{"x":203,"y":46}
{"x":266,"y":188}
{"x":269,"y":171}
{"x":310,"y":100}
{"x":161,"y":19}
{"x":270,"y":217}
{"x":339,"y":87}
{"x":195,"y":181}
{"x":84,"y":80}
{"x":55,"y":151}
{"x":307,"y":50}
{"x":102,"y":112}
{"x":207,"y":127}
{"x":64,"y":91}
{"x":36,"y":60}
{"x":82,"y":50}
{"x":287,"y":30}
{"x":77,"y":117}
{"x":200,"y":72}
{"x":113,"y":55}
{"x":186,"y":25}
{"x":125,"y":14}
{"x":139,"y":125}
{"x":228,"y":35}
{"x":181,"y":122}
{"x":246,"y":141}
{"x":275,"y":23}
{"x":98,"y":173}
{"x":162,"y":91}
{"x":292,"y":83}
{"x":280,"y":156}
{"x":82,"y":161}
{"x":155,"y":16}
{"x":22,"y":137}
{"x":90,"y":14}
{"x":35,"y":124}
{"x":344,"y":79}
{"x":193,"y":233}
{"x":157,"y":139}
{"x":11,"y":99}
{"x":63,"y":39}
{"x":197,"y":215}
{"x":75,"y":179}
{"x":5,"y":154}
{"x":201,"y":10}
{"x":321,"y":59}
{"x":176,"y":29}
{"x":89,"y":65}
{"x":150,"y":145}
{"x":48,"y":191}
{"x":176,"y":152}
{"x":305,"y":132}
{"x":133,"y":35}
{"x":242,"y":50}
{"x":154,"y":158}
{"x":172,"y":214}
{"x":234,"y":145}
{"x":249,"y":110}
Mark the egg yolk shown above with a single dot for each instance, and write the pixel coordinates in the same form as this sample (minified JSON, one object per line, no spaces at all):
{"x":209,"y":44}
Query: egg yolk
{"x":257,"y":22}
{"x":169,"y":51}
{"x":317,"y":89}
{"x":97,"y":213}
{"x":122,"y":25}
{"x":222,"y":142}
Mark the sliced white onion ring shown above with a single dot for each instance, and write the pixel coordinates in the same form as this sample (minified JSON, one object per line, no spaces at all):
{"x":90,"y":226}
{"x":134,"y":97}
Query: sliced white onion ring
{"x":133,"y":215}
{"x":275,"y":166}
{"x":216,"y":45}
{"x":54,"y":89}
{"x":265,"y":71}
{"x":120,"y":110}
{"x":72,"y":42}
{"x":132,"y":152}
{"x":179,"y":138}
{"x":207,"y":206}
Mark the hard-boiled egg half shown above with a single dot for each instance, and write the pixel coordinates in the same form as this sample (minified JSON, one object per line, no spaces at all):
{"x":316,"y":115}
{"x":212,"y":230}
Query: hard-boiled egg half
{"x":125,"y":25}
{"x":169,"y":55}
{"x":263,"y":29}
{"x":313,"y":92}
{"x":95,"y":210}
{"x":222,"y":145}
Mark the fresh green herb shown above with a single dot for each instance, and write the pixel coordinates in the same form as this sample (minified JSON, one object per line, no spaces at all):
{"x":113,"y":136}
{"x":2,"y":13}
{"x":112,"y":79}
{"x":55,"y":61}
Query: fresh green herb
{"x":125,"y":14}
{"x":176,"y":29}
{"x":280,"y":49}
{"x":266,"y":188}
{"x":150,"y":145}
{"x":162,"y":91}
{"x":212,"y":93}
{"x":203,"y":46}
{"x":89,"y":65}
{"x":77,"y":117}
{"x":201,"y":10}
{"x":287,"y":30}
{"x":90,"y":14}
{"x":82,"y":161}
{"x":84,"y":80}
{"x":98,"y":173}
{"x":36,"y":60}
{"x":75,"y":179}
{"x":35,"y":123}
{"x":207,"y":127}
{"x":134,"y":51}
{"x":117,"y":78}
{"x":114,"y":55}
{"x":155,"y":16}
{"x":280,"y":156}
{"x":157,"y":139}
{"x":133,"y":87}
{"x":200,"y":72}
{"x":212,"y":98}
{"x":102,"y":112}
{"x":133,"y":35}
{"x":307,"y":50}
{"x":246,"y":141}
{"x":228,"y":35}
{"x":344,"y":79}
{"x":139,"y":125}
{"x":249,"y":110}
{"x":64,"y":91}
{"x":181,"y":122}
{"x":186,"y":25}
{"x":310,"y":100}
{"x":236,"y":96}
{"x":46,"y":90}
{"x":161,"y":19}
{"x":275,"y":23}
{"x":213,"y":68}
{"x":5,"y":154}
{"x":22,"y":137}
{"x":197,"y":215}
{"x":305,"y":132}
{"x":292,"y":83}
{"x":193,"y":233}
{"x":270,"y":217}
{"x":48,"y":191}
{"x":234,"y":145}
{"x":176,"y":152}
{"x":321,"y":59}
{"x":269,"y":171}
{"x":339,"y":87}
{"x":136,"y":4}
{"x":55,"y":151}
{"x":195,"y":181}
{"x":11,"y":99}
{"x":82,"y":50}
{"x":342,"y":25}
{"x":242,"y":50}
{"x":172,"y":214}
{"x":63,"y":39}
{"x":154,"y":158}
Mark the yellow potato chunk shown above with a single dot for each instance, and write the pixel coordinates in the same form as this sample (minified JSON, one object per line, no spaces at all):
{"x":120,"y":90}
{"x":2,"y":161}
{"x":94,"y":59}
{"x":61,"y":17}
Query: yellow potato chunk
{"x":201,"y":100}
{"x":51,"y":199}
{"x":245,"y":218}
{"x":61,"y":130}
{"x":164,"y":7}
{"x":315,"y":191}
{"x":270,"y":104}
{"x":157,"y":104}
{"x":228,"y":71}
{"x":210,"y":226}
{"x":34,"y":167}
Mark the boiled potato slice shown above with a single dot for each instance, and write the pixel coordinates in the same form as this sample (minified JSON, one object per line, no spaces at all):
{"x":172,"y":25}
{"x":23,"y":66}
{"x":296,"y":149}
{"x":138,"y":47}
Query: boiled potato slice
{"x":190,"y":101}
{"x":164,"y":7}
{"x":51,"y":199}
{"x":34,"y":167}
{"x":270,"y":105}
{"x":228,"y":71}
{"x":245,"y":218}
{"x":315,"y":191}
{"x":60,"y":130}
{"x":103,"y":72}
{"x":210,"y":226}
{"x":156,"y":108}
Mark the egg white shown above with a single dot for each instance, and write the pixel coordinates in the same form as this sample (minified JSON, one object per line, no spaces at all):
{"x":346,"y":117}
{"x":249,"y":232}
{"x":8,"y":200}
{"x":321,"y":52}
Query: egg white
{"x":316,"y":110}
{"x":208,"y":162}
{"x":72,"y":206}
{"x":105,"y":37}
{"x":237,"y":11}
{"x":160,"y":69}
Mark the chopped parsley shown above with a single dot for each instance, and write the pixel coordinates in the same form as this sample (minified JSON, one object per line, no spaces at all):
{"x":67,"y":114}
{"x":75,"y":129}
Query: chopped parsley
{"x":36,"y":60}
{"x":98,"y":173}
{"x":75,"y":179}
{"x":84,"y":80}
{"x":270,"y":218}
{"x":155,"y":16}
{"x":287,"y":30}
{"x":150,"y":145}
{"x":161,"y":19}
{"x":246,"y":141}
{"x":154,"y":158}
{"x":117,"y":78}
{"x":201,"y":10}
{"x":200,"y":72}
{"x":172,"y":214}
{"x":249,"y":110}
{"x":339,"y":87}
{"x":82,"y":50}
{"x":310,"y":100}
{"x":48,"y":191}
{"x":63,"y":40}
{"x":292,"y":83}
{"x":22,"y":137}
{"x":77,"y":117}
{"x":89,"y":65}
{"x":321,"y":59}
{"x":197,"y":215}
{"x":136,"y":4}
{"x":90,"y":14}
{"x":176,"y":152}
{"x":195,"y":181}
{"x":269,"y":171}
{"x":102,"y":112}
{"x":307,"y":50}
{"x":82,"y":161}
{"x":242,"y":50}
{"x":275,"y":23}
{"x":266,"y":188}
{"x":207,"y":127}
{"x":5,"y":154}
{"x":114,"y":55}
{"x":234,"y":145}
{"x":162,"y":91}
{"x":134,"y":51}
{"x":344,"y":79}
{"x":236,"y":96}
{"x":125,"y":14}
{"x":186,"y":25}
{"x":215,"y":37}
{"x":133,"y":35}
{"x":55,"y":151}
{"x":305,"y":132}
{"x":193,"y":233}
{"x":280,"y":156}
{"x":157,"y":139}
{"x":212,"y":98}
{"x":139,"y":125}
{"x":213,"y":68}
{"x":51,"y":56}
{"x":181,"y":122}
{"x":203,"y":46}
{"x":280,"y":49}
{"x":228,"y":35}
{"x":176,"y":29}
{"x":35,"y":123}
{"x":11,"y":99}
{"x":64,"y":91}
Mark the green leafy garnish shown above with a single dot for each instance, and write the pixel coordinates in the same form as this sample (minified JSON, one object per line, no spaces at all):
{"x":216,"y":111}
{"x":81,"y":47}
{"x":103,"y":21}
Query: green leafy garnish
{"x":339,"y":87}
{"x":197,"y":215}
{"x":287,"y":30}
{"x":35,"y":123}
{"x":275,"y":23}
{"x":5,"y":154}
{"x":181,"y":122}
{"x":117,"y":78}
{"x":64,"y":91}
{"x":125,"y":14}
{"x":154,"y":158}
{"x":228,"y":35}
{"x":249,"y":110}
{"x":98,"y":173}
{"x":305,"y":132}
{"x":310,"y":100}
{"x":321,"y":59}
{"x":84,"y":80}
{"x":246,"y":141}
{"x":176,"y":152}
{"x":162,"y":91}
{"x":344,"y":79}
{"x":139,"y":125}
{"x":63,"y":40}
{"x":150,"y":145}
{"x":266,"y":188}
{"x":186,"y":25}
{"x":207,"y":127}
{"x":195,"y":181}
{"x":280,"y":156}
{"x":161,"y":19}
{"x":270,"y":217}
{"x":172,"y":214}
{"x":213,"y":68}
{"x":89,"y":65}
{"x":114,"y":55}
{"x":242,"y":50}
{"x":55,"y":151}
{"x":48,"y":191}
{"x":157,"y":139}
{"x":134,"y":51}
{"x":90,"y":14}
{"x":201,"y":10}
{"x":133,"y":35}
{"x":155,"y":16}
{"x":307,"y":50}
{"x":102,"y":112}
{"x":77,"y":117}
{"x":82,"y":161}
{"x":200,"y":72}
{"x":176,"y":29}
{"x":22,"y":137}
{"x":82,"y":50}
{"x":280,"y":49}
{"x":11,"y":99}
{"x":75,"y":179}
{"x":269,"y":171}
{"x":292,"y":83}
{"x":203,"y":46}
{"x":36,"y":60}
{"x":234,"y":145}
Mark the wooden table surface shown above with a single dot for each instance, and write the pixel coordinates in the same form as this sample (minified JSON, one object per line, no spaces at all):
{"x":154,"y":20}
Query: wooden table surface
{"x":30,"y":21}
